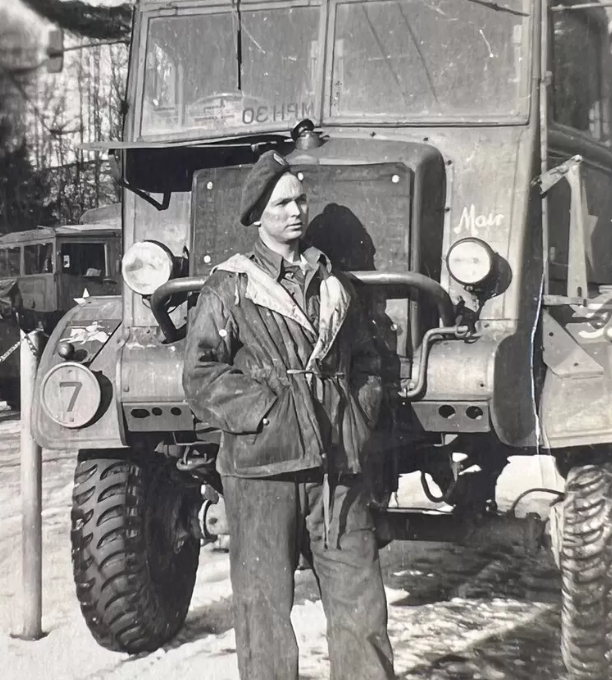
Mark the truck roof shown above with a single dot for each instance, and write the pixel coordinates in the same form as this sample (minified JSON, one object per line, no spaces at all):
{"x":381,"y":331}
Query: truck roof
{"x":46,"y":233}
{"x":106,"y":214}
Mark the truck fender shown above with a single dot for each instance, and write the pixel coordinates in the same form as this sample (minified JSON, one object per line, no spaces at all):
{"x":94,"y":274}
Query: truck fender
{"x":88,"y":329}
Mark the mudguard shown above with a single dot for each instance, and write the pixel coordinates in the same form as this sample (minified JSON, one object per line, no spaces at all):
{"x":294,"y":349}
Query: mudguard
{"x":490,"y":375}
{"x":94,"y":330}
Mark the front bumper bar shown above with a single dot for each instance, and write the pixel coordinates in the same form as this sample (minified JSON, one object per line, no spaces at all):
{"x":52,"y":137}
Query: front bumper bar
{"x":411,"y":280}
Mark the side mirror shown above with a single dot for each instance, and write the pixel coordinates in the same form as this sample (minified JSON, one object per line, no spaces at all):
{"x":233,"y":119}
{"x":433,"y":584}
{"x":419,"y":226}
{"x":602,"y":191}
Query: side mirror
{"x":55,"y":51}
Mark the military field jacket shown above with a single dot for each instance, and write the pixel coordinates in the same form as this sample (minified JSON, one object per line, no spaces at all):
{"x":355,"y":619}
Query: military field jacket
{"x":287,"y":396}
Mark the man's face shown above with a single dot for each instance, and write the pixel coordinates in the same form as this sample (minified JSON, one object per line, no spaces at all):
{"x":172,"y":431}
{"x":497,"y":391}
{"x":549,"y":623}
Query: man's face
{"x":285,"y":217}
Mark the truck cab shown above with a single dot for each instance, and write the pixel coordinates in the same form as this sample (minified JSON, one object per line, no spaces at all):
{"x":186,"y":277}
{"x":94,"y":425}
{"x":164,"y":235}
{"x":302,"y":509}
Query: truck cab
{"x":456,"y":155}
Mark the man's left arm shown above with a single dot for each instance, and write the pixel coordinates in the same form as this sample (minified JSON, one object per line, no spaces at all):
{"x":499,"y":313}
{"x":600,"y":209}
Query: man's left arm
{"x":365,"y":371}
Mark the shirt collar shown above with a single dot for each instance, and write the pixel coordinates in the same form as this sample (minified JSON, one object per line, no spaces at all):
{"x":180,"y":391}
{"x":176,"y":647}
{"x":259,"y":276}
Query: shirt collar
{"x":272,"y":263}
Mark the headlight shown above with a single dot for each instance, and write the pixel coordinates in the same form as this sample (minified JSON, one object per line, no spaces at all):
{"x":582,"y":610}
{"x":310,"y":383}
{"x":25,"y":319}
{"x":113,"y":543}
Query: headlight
{"x":146,"y":266}
{"x":470,"y":261}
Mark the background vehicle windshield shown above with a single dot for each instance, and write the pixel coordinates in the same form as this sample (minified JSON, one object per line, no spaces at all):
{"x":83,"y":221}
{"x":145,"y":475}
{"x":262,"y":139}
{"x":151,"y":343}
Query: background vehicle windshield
{"x":38,"y":258}
{"x":410,"y":59}
{"x":83,"y":259}
{"x":195,"y":79}
{"x":10,"y":262}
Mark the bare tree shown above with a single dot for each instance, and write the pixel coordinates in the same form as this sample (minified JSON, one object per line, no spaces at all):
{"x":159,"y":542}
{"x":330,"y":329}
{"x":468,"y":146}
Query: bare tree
{"x":40,"y":123}
{"x":23,"y":193}
{"x":83,"y":19}
{"x":82,"y":105}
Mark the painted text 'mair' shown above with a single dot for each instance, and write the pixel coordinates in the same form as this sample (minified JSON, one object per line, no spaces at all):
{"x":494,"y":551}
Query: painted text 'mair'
{"x":471,"y":222}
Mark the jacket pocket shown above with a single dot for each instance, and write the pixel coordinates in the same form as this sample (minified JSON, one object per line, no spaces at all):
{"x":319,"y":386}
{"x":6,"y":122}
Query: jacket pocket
{"x":356,"y":430}
{"x":368,"y":397}
{"x":278,"y":441}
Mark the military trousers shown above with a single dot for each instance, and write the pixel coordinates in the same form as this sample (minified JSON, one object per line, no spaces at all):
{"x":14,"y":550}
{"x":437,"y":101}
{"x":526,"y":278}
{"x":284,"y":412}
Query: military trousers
{"x":271,"y":521}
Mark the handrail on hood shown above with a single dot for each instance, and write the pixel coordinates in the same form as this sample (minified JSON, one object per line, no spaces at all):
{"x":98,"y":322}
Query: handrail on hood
{"x":410,"y":280}
{"x":416,"y":281}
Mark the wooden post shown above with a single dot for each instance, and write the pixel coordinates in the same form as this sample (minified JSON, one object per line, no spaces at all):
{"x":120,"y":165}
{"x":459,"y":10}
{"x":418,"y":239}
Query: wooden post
{"x":31,"y":493}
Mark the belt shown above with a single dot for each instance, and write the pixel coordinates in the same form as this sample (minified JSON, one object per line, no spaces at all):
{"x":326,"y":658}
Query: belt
{"x":312,"y":371}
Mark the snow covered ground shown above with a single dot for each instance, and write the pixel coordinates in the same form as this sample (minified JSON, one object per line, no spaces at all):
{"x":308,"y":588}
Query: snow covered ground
{"x":455,"y":613}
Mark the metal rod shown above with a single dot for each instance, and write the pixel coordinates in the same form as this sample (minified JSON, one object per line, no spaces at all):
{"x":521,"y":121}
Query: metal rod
{"x":31,"y":493}
{"x":74,"y":48}
{"x":411,"y":280}
{"x":582,"y":5}
{"x":164,"y":293}
{"x":418,"y":385}
{"x":416,"y":281}
{"x":544,"y":88}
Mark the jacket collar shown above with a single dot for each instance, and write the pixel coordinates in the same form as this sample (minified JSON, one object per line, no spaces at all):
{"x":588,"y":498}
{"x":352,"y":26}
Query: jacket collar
{"x":264,"y":291}
{"x":273,"y":263}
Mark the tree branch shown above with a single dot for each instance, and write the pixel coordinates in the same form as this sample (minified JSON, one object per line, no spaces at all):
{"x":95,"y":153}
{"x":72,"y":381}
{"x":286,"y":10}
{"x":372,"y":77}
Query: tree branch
{"x":83,"y":19}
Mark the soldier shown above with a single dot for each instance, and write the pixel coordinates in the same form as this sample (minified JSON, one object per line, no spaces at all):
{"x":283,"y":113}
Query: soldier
{"x":279,"y":359}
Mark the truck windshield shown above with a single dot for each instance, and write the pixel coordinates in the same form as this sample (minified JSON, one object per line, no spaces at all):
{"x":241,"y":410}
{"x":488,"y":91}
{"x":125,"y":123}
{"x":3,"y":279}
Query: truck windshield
{"x":247,"y":68}
{"x":414,"y":59}
{"x":230,"y":70}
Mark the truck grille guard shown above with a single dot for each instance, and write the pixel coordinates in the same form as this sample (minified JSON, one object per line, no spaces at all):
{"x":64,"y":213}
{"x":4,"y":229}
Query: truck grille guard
{"x":411,"y":280}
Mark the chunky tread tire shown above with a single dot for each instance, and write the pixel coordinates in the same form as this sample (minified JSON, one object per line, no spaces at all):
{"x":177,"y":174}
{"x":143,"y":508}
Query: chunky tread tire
{"x":133,"y":587}
{"x":586,"y":570}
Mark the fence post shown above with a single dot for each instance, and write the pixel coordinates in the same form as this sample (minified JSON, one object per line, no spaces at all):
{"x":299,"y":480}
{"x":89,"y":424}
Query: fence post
{"x":31,"y":493}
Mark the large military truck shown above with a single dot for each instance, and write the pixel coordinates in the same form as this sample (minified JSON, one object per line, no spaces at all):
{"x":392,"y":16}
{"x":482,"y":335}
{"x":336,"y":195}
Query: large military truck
{"x":46,"y":271}
{"x":457,"y":158}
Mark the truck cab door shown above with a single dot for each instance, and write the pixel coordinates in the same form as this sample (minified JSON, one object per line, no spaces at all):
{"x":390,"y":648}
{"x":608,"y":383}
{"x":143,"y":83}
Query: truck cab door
{"x":577,"y":307}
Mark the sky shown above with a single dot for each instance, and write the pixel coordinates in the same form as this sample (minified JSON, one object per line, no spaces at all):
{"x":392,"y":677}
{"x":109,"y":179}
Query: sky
{"x":18,"y":9}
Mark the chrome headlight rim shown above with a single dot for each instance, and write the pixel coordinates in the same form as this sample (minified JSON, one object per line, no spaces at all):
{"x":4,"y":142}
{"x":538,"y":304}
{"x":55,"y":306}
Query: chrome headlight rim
{"x":484,"y":269}
{"x":152,"y":254}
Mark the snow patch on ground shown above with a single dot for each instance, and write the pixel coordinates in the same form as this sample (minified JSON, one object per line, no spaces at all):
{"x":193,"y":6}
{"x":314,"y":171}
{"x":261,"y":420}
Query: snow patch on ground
{"x":452,"y":614}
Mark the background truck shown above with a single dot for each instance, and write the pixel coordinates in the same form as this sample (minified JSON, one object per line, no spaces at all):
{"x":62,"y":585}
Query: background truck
{"x":43,"y":273}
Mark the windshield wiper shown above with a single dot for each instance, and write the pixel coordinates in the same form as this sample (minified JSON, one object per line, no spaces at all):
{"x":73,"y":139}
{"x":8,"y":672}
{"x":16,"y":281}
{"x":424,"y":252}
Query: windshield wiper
{"x":499,"y":8}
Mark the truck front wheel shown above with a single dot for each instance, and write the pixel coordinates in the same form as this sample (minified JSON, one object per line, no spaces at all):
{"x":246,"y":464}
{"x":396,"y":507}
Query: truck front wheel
{"x":585,"y":559}
{"x":134,"y":555}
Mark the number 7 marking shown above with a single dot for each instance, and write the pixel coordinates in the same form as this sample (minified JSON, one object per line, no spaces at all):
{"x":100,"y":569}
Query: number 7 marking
{"x":77,"y":385}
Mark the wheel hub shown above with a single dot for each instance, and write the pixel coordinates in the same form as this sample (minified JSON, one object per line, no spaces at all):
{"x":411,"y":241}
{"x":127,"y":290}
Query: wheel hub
{"x":170,"y":525}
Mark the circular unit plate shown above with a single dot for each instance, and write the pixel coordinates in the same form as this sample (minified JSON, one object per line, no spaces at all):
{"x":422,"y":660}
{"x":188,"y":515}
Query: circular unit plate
{"x":71,"y":395}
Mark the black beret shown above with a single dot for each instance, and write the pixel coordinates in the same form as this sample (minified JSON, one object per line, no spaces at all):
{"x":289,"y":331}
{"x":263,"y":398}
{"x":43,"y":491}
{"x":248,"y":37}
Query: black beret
{"x":261,"y":178}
